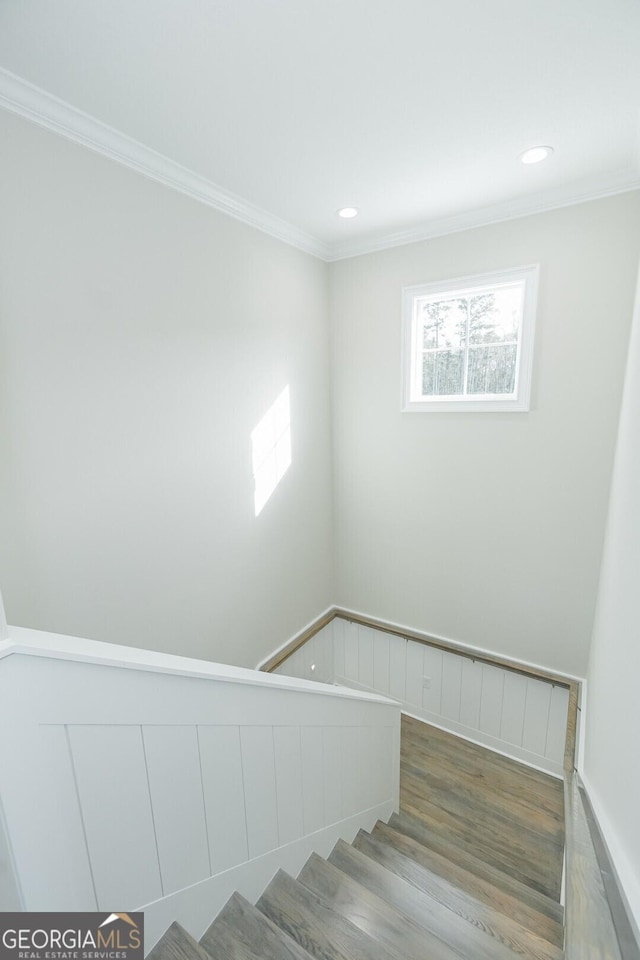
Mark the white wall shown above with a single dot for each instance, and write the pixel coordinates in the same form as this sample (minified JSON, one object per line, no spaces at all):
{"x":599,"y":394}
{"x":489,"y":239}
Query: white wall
{"x":611,"y":768}
{"x":142,"y":337}
{"x":486,"y":528}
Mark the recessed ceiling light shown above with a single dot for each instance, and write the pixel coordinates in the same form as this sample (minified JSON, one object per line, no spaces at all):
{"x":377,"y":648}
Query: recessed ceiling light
{"x":348,"y":212}
{"x":536,"y":154}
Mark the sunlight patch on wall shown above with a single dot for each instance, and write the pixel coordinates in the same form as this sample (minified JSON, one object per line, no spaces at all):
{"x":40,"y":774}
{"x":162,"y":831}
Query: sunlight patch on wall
{"x":271,"y":449}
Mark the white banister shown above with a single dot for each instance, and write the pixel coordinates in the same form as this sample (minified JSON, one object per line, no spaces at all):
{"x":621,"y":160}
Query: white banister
{"x":132,"y":780}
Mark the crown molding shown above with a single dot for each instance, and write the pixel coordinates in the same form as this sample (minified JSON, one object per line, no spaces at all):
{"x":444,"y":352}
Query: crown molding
{"x":485,"y":216}
{"x":34,"y":104}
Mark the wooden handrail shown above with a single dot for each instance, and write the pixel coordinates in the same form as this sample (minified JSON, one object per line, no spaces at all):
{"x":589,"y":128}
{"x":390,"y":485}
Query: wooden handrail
{"x":479,"y":656}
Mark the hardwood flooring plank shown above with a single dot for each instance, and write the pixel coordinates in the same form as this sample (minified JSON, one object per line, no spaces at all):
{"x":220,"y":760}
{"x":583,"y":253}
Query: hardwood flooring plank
{"x":492,"y":782}
{"x":502,"y":928}
{"x":242,"y":932}
{"x":504,"y":857}
{"x":462,"y":857}
{"x":471,"y":934}
{"x":317,"y":928}
{"x":372,"y":914}
{"x":505,"y":903}
{"x":177,"y":944}
{"x":480,"y":760}
{"x":465,"y":804}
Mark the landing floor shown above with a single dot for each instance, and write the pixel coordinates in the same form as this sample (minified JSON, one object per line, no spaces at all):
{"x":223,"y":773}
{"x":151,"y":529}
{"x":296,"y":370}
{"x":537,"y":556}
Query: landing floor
{"x":495,"y":808}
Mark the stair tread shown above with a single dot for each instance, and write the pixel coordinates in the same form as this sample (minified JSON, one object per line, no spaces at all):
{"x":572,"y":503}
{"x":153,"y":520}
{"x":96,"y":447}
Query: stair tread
{"x":320,"y":930}
{"x":522,"y":865}
{"x":506,"y":901}
{"x":242,"y":932}
{"x":472,"y":928}
{"x":177,"y":944}
{"x":505,"y":925}
{"x":421,"y":832}
{"x":371,"y":913}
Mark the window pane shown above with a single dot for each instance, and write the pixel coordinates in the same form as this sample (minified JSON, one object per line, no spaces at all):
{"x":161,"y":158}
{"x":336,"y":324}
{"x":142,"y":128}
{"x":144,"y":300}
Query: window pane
{"x":495,"y":317}
{"x":492,"y":369}
{"x":443,"y":373}
{"x":444,"y":323}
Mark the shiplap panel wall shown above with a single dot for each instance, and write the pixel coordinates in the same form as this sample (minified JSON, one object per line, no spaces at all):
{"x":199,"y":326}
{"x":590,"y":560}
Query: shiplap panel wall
{"x":166,"y":792}
{"x":171,"y":820}
{"x":523,"y":717}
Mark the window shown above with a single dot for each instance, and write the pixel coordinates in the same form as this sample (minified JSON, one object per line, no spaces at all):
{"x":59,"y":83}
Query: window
{"x":468,"y":343}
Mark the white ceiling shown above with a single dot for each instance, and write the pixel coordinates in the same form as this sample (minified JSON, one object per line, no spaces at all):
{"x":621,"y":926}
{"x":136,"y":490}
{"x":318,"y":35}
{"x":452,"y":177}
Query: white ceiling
{"x":415,"y":111}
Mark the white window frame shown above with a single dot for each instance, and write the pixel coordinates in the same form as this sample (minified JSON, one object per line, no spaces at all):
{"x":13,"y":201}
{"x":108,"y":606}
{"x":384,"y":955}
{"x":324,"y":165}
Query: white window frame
{"x":519,"y":400}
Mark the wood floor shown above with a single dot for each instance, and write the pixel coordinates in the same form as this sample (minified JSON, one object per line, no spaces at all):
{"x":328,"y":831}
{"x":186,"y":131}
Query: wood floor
{"x":470,"y":869}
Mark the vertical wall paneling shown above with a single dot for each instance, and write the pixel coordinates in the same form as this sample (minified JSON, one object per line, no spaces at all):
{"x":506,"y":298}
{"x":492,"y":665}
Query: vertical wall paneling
{"x":306,"y":656}
{"x":312,"y":779}
{"x":432,"y":675}
{"x":512,"y":722}
{"x":491,"y":700}
{"x":332,"y":774}
{"x":114,"y":796}
{"x":222,"y":778}
{"x":319,"y":660}
{"x":554,"y":748}
{"x":351,"y":668}
{"x":177,"y":802}
{"x":11,"y":897}
{"x":367,"y":752}
{"x":451,"y":686}
{"x":536,"y":716}
{"x":365,"y":656}
{"x":470,"y":693}
{"x":258,"y":769}
{"x":397,"y":667}
{"x":500,"y":708}
{"x":415,"y":666}
{"x":382,"y":773}
{"x":325,"y":670}
{"x":337,"y":627}
{"x":68,"y":840}
{"x":288,"y":761}
{"x":380,"y":661}
{"x":350,"y":769}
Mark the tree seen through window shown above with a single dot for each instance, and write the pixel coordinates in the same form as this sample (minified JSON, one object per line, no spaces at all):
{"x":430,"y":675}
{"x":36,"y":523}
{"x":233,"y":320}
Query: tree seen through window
{"x":470,"y":344}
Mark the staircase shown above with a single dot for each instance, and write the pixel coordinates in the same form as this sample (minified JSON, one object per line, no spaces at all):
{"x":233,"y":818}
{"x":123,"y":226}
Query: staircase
{"x":470,"y":868}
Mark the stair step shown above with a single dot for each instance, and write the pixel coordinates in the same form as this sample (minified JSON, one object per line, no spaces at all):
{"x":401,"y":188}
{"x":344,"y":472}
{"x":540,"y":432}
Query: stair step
{"x":242,"y":932}
{"x":460,"y":855}
{"x":372,"y":914}
{"x":318,"y":929}
{"x":470,"y":927}
{"x":523,"y":865}
{"x":177,"y":944}
{"x":393,"y":842}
